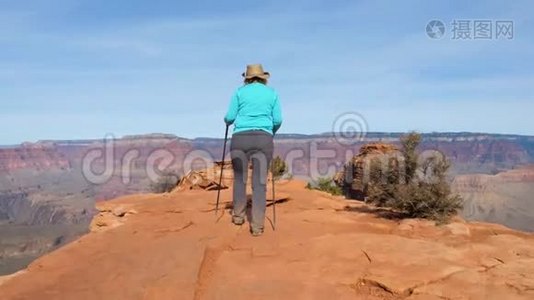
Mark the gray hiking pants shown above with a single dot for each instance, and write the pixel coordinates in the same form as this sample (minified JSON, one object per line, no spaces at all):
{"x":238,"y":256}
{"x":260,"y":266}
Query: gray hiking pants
{"x":255,"y":146}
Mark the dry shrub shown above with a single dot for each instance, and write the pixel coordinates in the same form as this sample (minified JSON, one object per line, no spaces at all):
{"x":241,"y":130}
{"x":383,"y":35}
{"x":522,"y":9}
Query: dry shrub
{"x":420,"y":189}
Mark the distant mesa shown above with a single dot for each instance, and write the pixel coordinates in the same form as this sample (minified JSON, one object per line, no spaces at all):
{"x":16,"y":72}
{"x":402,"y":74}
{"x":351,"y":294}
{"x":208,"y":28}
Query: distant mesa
{"x":151,"y":136}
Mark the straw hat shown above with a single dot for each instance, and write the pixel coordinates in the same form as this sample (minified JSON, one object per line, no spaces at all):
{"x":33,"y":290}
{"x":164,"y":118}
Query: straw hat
{"x":255,"y":70}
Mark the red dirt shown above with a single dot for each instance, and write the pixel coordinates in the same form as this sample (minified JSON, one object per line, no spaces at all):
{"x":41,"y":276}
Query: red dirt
{"x":171,"y":247}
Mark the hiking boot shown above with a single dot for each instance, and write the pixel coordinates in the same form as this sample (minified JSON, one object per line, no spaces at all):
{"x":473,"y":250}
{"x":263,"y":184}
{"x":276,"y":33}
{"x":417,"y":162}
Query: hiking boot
{"x":238,"y":221}
{"x":256,"y":232}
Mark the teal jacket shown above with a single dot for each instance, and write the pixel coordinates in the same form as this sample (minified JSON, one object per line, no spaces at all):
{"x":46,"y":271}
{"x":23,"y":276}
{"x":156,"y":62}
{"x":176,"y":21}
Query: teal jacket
{"x":255,"y":106}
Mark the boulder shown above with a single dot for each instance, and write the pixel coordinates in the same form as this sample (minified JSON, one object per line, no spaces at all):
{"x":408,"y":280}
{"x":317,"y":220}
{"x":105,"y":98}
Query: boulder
{"x":208,"y":178}
{"x":354,"y":178}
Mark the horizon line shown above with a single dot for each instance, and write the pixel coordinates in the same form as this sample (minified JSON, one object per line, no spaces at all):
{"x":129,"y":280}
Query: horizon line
{"x":280,"y":135}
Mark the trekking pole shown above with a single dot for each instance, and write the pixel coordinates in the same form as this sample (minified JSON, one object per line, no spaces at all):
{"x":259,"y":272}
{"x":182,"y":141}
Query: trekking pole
{"x":274,"y":199}
{"x":222,"y":169}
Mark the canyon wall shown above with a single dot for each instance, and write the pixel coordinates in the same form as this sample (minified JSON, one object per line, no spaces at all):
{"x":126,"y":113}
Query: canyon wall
{"x":506,"y":198}
{"x":43,"y":185}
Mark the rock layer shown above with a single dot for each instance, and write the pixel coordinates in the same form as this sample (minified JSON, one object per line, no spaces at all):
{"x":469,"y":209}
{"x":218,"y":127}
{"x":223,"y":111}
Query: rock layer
{"x":505,"y":198}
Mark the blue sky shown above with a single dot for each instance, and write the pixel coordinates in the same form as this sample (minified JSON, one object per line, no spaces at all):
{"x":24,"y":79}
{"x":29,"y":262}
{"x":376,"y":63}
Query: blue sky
{"x":86,"y":68}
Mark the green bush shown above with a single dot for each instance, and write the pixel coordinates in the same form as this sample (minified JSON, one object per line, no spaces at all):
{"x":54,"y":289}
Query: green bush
{"x":279,"y":167}
{"x":427,"y":200}
{"x":382,"y":182}
{"x":325,"y":184}
{"x":424,"y":191}
{"x":165,"y":183}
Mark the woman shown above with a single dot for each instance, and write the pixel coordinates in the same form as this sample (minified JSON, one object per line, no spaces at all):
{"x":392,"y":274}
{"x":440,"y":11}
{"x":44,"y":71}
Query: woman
{"x":256,"y":115}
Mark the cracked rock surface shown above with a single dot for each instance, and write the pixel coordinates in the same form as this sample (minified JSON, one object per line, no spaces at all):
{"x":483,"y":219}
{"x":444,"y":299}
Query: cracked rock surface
{"x":172,"y":246}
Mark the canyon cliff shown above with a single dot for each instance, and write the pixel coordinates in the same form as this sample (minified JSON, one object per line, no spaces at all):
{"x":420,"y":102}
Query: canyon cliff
{"x":43,"y":186}
{"x":505,"y":198}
